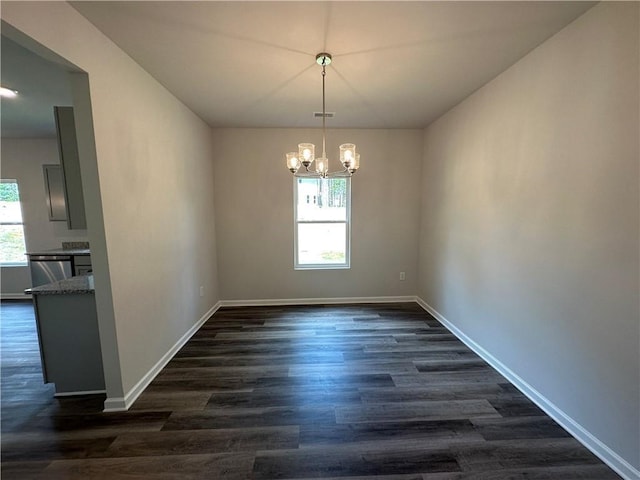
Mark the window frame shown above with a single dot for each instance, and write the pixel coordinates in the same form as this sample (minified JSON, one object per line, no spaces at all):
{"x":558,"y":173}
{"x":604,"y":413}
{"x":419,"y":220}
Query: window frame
{"x":23,"y":263}
{"x":347,"y":222}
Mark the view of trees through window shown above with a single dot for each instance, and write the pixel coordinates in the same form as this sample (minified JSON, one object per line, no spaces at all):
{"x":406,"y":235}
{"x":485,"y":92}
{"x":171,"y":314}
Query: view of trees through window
{"x":12,"y":244}
{"x":322,"y":216}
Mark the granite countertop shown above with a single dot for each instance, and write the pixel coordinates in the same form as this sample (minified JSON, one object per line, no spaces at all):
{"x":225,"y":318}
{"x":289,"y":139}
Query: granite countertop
{"x":82,"y":284}
{"x":62,"y":251}
{"x":67,"y":248}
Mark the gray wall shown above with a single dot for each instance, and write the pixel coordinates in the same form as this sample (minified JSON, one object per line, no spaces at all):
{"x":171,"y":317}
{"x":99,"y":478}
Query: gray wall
{"x":529,"y":238}
{"x":22,"y":159}
{"x":254,"y":214}
{"x":150,"y":180}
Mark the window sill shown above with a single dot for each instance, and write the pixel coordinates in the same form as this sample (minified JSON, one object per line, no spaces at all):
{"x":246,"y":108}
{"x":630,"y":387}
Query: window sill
{"x":322,"y":267}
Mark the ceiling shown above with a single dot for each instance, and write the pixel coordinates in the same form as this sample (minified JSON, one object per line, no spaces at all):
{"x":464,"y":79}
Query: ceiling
{"x":41,"y":85}
{"x":395,"y":64}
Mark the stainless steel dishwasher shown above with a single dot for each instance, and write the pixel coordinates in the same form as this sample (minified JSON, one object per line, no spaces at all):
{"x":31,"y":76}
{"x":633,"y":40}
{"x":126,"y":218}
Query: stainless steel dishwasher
{"x":49,"y":268}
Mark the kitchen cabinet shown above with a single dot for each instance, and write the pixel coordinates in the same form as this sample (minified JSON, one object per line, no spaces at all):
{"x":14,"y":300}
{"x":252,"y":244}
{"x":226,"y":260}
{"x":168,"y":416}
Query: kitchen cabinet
{"x":54,"y":187}
{"x":70,"y":161}
{"x":67,"y":325}
{"x":82,"y":265}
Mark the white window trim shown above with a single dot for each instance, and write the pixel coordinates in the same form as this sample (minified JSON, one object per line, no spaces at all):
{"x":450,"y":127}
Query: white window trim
{"x":14,"y":264}
{"x":322,"y":266}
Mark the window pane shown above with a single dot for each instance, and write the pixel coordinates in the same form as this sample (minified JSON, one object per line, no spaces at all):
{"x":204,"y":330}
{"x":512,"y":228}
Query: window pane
{"x":12,"y":243}
{"x":322,"y":199}
{"x":9,"y":203}
{"x":322,"y":243}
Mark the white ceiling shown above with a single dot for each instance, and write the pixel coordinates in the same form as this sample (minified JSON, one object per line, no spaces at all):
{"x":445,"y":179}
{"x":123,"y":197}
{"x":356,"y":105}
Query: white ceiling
{"x":40,"y":84}
{"x":395,"y":64}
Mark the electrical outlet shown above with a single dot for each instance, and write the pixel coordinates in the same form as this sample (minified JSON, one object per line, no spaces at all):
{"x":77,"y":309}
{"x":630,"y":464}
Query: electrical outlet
{"x":201,"y":291}
{"x":402,"y":276}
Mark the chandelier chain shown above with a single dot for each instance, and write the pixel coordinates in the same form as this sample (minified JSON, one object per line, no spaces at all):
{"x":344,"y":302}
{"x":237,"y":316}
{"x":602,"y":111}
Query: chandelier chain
{"x":324,"y":115}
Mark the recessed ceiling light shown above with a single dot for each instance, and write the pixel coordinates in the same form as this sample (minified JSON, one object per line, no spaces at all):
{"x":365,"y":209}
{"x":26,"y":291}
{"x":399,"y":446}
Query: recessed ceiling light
{"x":8,"y":93}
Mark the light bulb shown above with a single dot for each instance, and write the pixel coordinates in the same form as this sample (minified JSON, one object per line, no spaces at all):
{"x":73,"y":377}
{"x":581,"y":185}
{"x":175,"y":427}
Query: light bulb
{"x":322,"y":165}
{"x":293,"y":163}
{"x":306,"y":153}
{"x":347,"y":154}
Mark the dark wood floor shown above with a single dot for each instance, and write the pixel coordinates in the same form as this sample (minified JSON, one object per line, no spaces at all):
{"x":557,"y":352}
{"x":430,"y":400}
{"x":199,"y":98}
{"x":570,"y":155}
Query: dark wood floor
{"x":355,"y":391}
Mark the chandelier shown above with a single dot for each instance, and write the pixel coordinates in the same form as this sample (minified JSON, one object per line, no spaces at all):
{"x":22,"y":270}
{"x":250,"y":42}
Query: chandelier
{"x":305,"y":156}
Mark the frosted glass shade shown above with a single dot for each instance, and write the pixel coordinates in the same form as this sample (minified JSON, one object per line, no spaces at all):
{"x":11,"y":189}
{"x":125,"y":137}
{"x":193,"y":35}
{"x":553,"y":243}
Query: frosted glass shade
{"x":306,"y":152}
{"x":322,"y":165}
{"x":355,"y":165}
{"x":293,"y":163}
{"x":347,"y":154}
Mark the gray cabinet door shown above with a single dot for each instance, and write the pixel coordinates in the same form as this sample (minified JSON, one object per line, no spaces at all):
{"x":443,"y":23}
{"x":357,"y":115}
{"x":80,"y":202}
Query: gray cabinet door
{"x":54,"y":186}
{"x":68,"y":146}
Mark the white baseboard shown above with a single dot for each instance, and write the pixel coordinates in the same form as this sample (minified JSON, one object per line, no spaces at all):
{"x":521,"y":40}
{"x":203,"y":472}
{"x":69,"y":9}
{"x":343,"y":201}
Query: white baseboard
{"x":316,"y":301}
{"x":115,"y":404}
{"x":119,"y":404}
{"x":606,"y":454}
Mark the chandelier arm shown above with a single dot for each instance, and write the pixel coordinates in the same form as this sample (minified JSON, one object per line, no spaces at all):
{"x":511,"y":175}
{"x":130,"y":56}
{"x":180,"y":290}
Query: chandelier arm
{"x":313,"y":174}
{"x":338,"y":172}
{"x":318,"y":175}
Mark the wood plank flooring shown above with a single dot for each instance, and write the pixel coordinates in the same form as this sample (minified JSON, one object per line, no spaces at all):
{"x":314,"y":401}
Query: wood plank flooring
{"x":335,"y":392}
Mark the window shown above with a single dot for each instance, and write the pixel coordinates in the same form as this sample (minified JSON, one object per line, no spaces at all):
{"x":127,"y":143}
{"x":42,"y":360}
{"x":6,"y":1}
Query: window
{"x":12,"y":245}
{"x":322,"y":229}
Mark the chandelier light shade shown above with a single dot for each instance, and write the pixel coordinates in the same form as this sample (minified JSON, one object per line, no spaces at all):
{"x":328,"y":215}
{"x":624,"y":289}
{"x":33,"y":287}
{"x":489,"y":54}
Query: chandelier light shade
{"x":304,"y":163}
